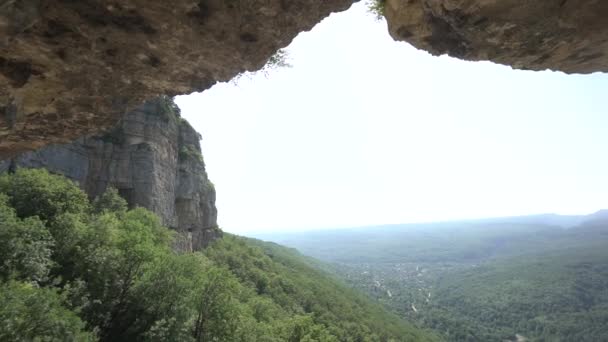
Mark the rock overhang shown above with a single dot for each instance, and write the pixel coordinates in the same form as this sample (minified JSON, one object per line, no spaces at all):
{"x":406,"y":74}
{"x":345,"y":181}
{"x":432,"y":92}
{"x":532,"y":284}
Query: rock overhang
{"x":70,"y":68}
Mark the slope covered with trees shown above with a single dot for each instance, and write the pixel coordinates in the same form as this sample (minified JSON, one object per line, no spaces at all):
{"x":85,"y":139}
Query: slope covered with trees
{"x":75,"y":270}
{"x":525,"y":278}
{"x":557,"y":296}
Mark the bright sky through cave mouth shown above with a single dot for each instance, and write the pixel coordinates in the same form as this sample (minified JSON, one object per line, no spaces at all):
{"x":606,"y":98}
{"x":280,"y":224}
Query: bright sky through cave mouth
{"x":363,"y":130}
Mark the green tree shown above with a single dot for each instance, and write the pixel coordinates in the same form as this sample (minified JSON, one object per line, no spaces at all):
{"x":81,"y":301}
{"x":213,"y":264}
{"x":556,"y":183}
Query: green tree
{"x":166,"y":297}
{"x":110,"y":201}
{"x":36,"y":192}
{"x":28,"y":313}
{"x":116,"y":258}
{"x":216,"y":317}
{"x":25,"y":246}
{"x":111,"y":271}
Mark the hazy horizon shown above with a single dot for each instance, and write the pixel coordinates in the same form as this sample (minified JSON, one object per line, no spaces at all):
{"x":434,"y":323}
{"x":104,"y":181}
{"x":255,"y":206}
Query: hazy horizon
{"x":366,"y":131}
{"x":264,"y":232}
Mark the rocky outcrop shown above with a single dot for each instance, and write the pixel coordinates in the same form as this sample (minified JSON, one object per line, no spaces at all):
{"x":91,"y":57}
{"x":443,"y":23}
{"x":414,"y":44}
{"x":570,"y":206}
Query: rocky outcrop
{"x":153,"y":158}
{"x":566,"y":35}
{"x":73,"y":67}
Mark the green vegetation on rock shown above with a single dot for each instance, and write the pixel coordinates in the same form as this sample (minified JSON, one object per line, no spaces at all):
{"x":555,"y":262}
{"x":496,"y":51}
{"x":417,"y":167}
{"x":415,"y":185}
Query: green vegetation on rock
{"x":376,"y":7}
{"x":189,"y":152}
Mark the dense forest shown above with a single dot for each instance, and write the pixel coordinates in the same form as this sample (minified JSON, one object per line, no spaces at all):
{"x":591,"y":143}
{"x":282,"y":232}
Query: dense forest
{"x":78,"y":270}
{"x":540,"y":278}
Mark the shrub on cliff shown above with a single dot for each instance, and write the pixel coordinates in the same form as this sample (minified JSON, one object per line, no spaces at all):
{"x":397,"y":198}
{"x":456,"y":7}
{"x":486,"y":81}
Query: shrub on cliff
{"x":190,"y":153}
{"x":376,"y":7}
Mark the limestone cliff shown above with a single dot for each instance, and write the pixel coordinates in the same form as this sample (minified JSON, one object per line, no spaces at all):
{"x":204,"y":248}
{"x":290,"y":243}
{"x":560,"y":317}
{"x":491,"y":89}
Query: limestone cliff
{"x":153,"y":158}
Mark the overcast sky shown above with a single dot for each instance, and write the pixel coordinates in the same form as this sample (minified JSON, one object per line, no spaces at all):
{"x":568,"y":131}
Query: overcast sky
{"x":365,"y":130}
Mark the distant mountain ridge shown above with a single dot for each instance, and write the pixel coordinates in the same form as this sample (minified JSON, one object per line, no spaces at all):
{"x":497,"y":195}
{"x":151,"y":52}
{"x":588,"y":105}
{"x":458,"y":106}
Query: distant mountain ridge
{"x":463,"y":240}
{"x":549,"y":219}
{"x":539,"y":276}
{"x":598,"y":216}
{"x":565,"y":221}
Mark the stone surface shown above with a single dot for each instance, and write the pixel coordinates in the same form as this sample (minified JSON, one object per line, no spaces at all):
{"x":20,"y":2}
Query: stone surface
{"x":566,"y":35}
{"x":153,"y":158}
{"x":73,"y":67}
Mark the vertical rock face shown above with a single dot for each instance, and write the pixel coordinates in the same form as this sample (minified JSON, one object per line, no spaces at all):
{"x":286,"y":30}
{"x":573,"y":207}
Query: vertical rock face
{"x":153,"y":158}
{"x":194,"y":194}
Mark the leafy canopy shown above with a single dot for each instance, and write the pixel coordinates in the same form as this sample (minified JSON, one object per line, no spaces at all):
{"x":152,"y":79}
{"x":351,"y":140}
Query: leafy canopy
{"x":71,"y":270}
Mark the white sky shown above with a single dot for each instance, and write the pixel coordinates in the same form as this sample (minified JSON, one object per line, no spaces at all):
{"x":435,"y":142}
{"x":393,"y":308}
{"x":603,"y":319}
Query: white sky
{"x":365,"y":130}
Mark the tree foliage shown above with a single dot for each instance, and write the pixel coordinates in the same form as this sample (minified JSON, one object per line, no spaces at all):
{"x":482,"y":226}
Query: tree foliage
{"x":377,"y":8}
{"x":480,"y":281}
{"x":71,"y":270}
{"x":39,"y":193}
{"x":29,"y":313}
{"x":25,"y":246}
{"x":111,"y":202}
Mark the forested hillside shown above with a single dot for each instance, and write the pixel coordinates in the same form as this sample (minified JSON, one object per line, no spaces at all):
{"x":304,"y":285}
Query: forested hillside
{"x":493,"y":280}
{"x":75,"y":270}
{"x":558,"y":296}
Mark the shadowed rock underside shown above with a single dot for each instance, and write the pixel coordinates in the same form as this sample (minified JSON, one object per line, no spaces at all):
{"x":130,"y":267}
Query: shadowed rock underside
{"x":565,"y":35}
{"x":69,"y":68}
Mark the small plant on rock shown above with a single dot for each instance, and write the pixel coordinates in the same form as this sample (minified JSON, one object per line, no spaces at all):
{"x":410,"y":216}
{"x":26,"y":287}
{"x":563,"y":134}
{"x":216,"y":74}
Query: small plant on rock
{"x":376,"y":7}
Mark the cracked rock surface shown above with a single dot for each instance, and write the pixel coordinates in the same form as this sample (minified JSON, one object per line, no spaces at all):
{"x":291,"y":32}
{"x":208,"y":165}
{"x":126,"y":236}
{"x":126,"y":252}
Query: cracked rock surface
{"x":69,"y":68}
{"x":74,"y":67}
{"x":153,"y":158}
{"x":564,"y":35}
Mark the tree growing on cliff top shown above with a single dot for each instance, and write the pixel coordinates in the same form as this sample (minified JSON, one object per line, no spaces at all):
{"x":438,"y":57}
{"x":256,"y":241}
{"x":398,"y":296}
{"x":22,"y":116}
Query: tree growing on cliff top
{"x":279,"y":60}
{"x":377,"y":8}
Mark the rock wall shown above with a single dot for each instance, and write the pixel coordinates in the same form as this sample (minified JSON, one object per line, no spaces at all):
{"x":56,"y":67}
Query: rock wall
{"x":69,"y":68}
{"x":566,"y":35}
{"x":153,"y":158}
{"x":74,"y":67}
